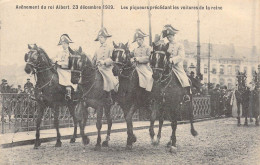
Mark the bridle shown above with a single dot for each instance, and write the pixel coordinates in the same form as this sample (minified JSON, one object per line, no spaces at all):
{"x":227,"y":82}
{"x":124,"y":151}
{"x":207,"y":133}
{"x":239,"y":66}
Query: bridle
{"x":124,"y":66}
{"x":160,"y":69}
{"x":38,"y":69}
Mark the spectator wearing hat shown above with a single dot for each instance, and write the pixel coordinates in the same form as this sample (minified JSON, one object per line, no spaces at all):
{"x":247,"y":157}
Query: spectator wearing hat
{"x":177,"y":54}
{"x":141,"y":56}
{"x":28,"y":85}
{"x":62,"y":61}
{"x":102,"y":58}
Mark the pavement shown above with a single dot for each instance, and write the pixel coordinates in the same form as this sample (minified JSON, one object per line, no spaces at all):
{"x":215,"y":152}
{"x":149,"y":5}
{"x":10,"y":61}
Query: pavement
{"x":218,"y":142}
{"x":27,"y":138}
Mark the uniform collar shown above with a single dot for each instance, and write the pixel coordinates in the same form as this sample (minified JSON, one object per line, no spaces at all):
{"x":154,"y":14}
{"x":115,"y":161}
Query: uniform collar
{"x":103,"y":45}
{"x":141,"y":46}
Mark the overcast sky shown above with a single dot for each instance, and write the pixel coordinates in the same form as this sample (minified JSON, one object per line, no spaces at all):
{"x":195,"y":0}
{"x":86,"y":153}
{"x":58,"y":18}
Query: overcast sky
{"x":233,"y":24}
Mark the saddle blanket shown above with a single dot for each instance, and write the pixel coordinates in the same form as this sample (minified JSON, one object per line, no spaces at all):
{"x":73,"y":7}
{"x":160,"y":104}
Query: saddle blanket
{"x":110,"y":81}
{"x":145,"y":76}
{"x":64,"y":78}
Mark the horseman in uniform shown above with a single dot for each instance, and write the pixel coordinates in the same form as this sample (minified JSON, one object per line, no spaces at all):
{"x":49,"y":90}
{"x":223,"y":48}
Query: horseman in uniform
{"x":141,"y":56}
{"x":177,"y":54}
{"x":102,"y":58}
{"x":62,"y":61}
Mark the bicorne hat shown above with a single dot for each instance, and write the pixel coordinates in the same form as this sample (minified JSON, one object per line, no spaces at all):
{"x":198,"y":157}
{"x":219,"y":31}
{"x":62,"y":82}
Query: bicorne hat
{"x":65,"y":38}
{"x":139,"y":34}
{"x":103,"y":32}
{"x":169,"y":30}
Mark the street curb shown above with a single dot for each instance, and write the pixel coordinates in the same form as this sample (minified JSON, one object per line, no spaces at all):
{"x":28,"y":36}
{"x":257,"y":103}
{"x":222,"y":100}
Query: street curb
{"x":65,"y":137}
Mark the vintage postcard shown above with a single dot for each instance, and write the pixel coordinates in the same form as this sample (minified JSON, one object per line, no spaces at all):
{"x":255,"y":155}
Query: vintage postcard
{"x":85,"y":81}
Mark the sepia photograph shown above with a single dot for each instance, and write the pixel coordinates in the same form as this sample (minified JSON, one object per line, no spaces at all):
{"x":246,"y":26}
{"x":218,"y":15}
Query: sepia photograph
{"x":129,"y":82}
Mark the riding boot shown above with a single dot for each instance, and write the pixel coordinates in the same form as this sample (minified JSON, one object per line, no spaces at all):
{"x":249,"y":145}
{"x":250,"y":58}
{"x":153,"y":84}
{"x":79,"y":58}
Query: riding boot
{"x":68,"y":93}
{"x":186,"y":97}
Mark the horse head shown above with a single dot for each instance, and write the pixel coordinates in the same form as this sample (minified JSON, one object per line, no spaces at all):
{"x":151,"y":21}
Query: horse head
{"x":80,"y":65}
{"x":241,"y":79}
{"x":159,"y":60}
{"x":121,"y":57}
{"x":36,"y":59}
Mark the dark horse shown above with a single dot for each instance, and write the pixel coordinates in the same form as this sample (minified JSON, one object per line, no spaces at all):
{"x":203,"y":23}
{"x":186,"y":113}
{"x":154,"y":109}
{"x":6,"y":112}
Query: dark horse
{"x":48,"y":91}
{"x":242,"y":96}
{"x":91,"y":94}
{"x":130,"y":95}
{"x":255,"y":97}
{"x":167,"y":95}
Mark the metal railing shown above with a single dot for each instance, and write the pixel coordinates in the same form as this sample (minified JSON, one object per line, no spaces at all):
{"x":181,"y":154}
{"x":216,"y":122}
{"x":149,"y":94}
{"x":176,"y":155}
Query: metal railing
{"x":19,"y":113}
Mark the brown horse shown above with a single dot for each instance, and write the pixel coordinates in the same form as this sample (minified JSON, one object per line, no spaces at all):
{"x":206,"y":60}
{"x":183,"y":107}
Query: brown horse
{"x":91,"y":94}
{"x":130,"y":95}
{"x":48,"y":91}
{"x":167,"y":95}
{"x":242,"y":96}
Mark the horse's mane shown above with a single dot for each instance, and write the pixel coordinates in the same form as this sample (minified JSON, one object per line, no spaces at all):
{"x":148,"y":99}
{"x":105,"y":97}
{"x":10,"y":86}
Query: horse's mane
{"x":42,"y":51}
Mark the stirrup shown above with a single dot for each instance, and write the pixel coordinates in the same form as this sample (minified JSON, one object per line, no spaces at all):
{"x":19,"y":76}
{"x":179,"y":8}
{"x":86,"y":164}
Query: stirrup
{"x":186,"y":98}
{"x":67,"y":97}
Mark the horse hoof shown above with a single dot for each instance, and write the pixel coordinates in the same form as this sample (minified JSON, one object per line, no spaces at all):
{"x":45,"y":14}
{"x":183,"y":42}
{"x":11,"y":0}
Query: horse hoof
{"x":169,"y":144}
{"x":97,"y":148}
{"x":36,"y":147}
{"x":133,"y":139}
{"x":58,"y":144}
{"x":72,"y":140}
{"x":251,"y":120}
{"x":238,"y":124}
{"x":105,"y":144}
{"x":85,"y":140}
{"x":173,"y":149}
{"x":246,"y":124}
{"x":128,"y":147}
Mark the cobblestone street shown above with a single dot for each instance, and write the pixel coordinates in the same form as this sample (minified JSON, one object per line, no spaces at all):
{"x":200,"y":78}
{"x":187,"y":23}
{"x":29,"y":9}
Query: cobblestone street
{"x":219,"y":142}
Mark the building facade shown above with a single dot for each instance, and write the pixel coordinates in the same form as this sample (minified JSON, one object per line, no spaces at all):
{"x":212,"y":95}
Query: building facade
{"x":225,"y":62}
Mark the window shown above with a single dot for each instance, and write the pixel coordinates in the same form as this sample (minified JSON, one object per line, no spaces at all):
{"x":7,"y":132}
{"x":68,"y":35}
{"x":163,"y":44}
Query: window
{"x":221,"y":69}
{"x":229,"y":69}
{"x":214,"y":70}
{"x":237,"y":69}
{"x":230,"y":85}
{"x":205,"y":70}
{"x":221,"y":81}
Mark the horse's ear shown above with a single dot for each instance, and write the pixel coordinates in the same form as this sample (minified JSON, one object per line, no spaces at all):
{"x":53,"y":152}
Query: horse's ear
{"x":115,"y":46}
{"x":126,"y":45}
{"x":80,"y":49}
{"x":35,"y":46}
{"x":29,"y":46}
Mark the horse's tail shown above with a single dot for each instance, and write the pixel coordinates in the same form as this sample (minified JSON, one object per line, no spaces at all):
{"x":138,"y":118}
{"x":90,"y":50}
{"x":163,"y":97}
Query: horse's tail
{"x":190,"y":107}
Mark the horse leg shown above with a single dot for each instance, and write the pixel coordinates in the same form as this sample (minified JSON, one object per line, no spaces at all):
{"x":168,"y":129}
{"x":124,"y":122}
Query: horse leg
{"x":238,"y":114}
{"x":245,"y":108}
{"x":82,"y":124}
{"x":172,"y":143}
{"x":109,"y":125}
{"x":131,"y":138}
{"x":56,"y":124}
{"x":99,"y":126}
{"x":161,"y":119}
{"x":152,"y":120}
{"x":38,"y":123}
{"x":192,"y":129}
{"x":72,"y":112}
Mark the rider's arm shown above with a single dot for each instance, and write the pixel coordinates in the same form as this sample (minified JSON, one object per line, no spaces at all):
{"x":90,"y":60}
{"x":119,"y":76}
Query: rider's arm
{"x":180,"y":55}
{"x":109,"y":61}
